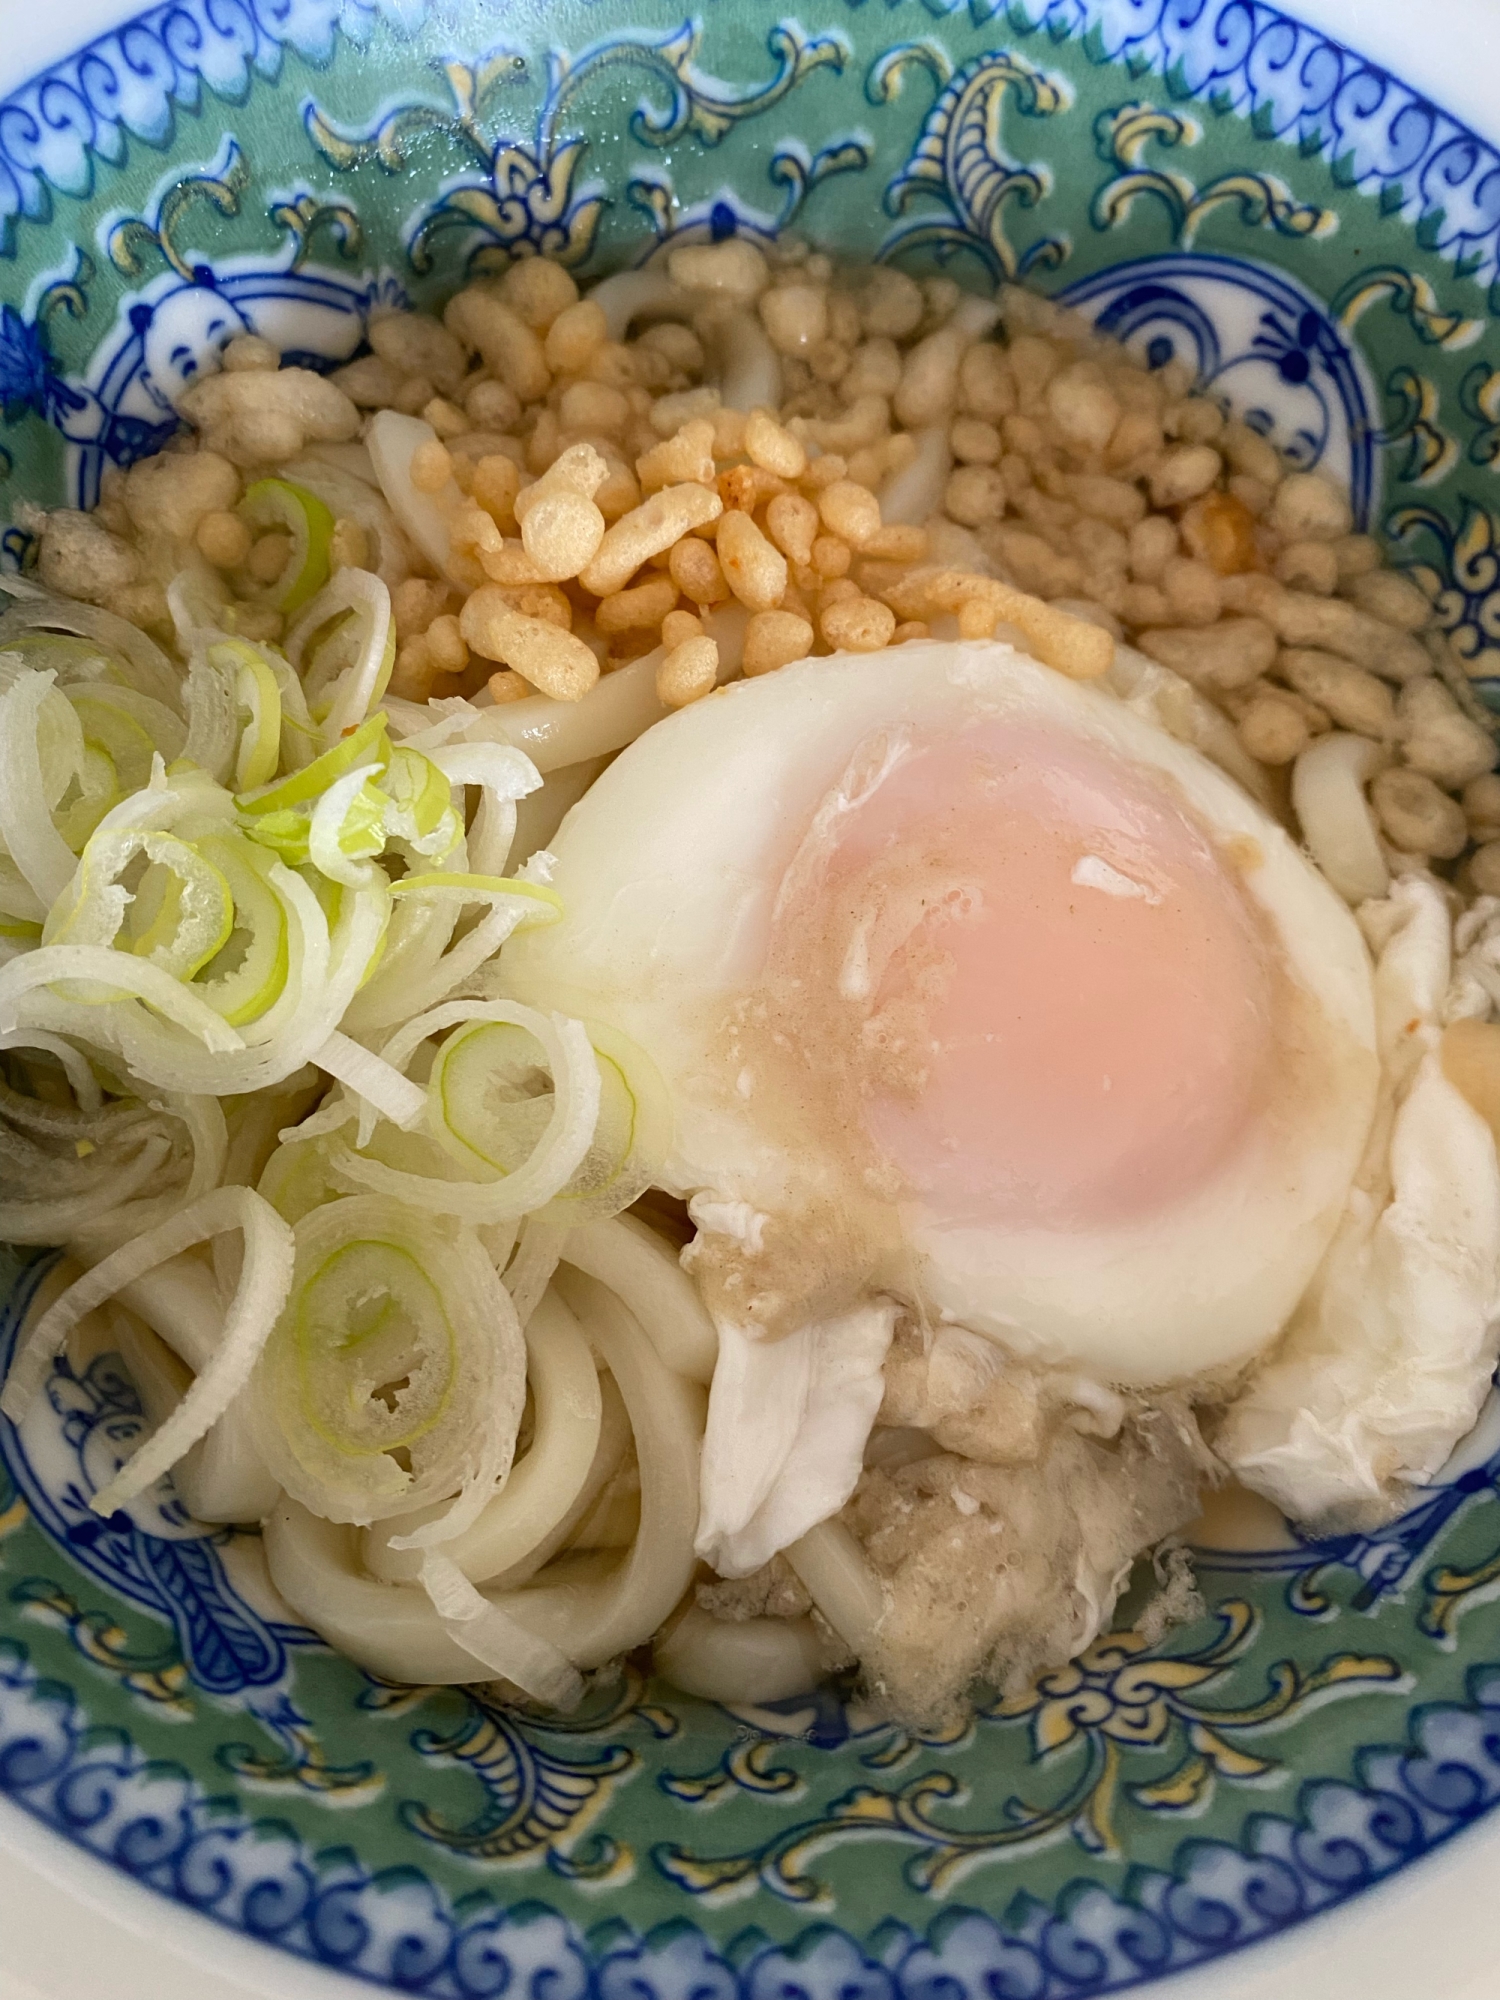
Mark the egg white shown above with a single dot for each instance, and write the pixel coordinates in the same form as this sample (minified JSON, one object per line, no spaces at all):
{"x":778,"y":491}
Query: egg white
{"x":1388,"y":1357}
{"x":670,"y":868}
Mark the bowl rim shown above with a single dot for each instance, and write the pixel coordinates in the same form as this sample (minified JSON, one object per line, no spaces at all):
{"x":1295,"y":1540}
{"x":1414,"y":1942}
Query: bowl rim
{"x":1431,"y":1925}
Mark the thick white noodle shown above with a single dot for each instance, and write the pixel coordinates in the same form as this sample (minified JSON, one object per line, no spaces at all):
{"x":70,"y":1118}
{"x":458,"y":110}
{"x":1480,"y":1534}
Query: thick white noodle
{"x":553,"y":734}
{"x":909,"y":496}
{"x":759,"y":1660}
{"x":222,"y":1477}
{"x":265,"y":1281}
{"x":632,"y":1260}
{"x":388,"y":1629}
{"x":391,"y":438}
{"x":749,"y":367}
{"x":628,"y":295}
{"x":1328,"y":797}
{"x":838,"y":1576}
{"x":498,"y":1641}
{"x":542,"y":1486}
{"x":595,"y":1623}
{"x":602,"y":1609}
{"x":614,"y":712}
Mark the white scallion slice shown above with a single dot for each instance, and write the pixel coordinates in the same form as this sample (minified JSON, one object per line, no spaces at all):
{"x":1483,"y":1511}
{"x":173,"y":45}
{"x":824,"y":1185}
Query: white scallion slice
{"x":396,"y":1375}
{"x":178,"y":915}
{"x":262,"y":1291}
{"x":249,"y":973}
{"x":132,"y":728}
{"x":491,"y":1100}
{"x":505,"y":775}
{"x":423,"y":978}
{"x":344,"y":647}
{"x":420,"y":812}
{"x":27,"y":708}
{"x":265,"y":1279}
{"x":258,"y":701}
{"x":307,"y":522}
{"x":126,"y":653}
{"x":562,"y":1136}
{"x":60,"y":964}
{"x":393,"y":1095}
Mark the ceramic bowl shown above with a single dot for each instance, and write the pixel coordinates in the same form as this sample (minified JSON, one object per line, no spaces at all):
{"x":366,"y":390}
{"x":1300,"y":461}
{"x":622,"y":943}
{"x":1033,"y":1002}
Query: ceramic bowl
{"x":1214,"y":181}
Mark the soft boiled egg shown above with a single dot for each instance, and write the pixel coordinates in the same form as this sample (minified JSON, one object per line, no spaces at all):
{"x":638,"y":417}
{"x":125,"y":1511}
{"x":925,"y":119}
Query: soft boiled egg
{"x":973,"y":988}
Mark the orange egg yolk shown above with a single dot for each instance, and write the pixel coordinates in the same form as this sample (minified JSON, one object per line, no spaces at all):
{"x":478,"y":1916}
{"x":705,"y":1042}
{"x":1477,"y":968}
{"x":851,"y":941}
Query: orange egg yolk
{"x":1062,"y":1002}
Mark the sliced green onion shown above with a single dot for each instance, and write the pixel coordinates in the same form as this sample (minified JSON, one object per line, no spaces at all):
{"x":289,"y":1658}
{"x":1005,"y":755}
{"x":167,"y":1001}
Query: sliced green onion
{"x":384,"y":1088}
{"x":34,"y":771}
{"x":95,"y":790}
{"x":130,"y":728}
{"x":504,"y":775}
{"x":485,"y":888}
{"x":243,"y":991}
{"x":299,"y":1176}
{"x":209,"y":702}
{"x":129,"y":656}
{"x":344,"y":647}
{"x":179,"y":917}
{"x":73,"y":660}
{"x":561,"y":1144}
{"x":347,"y":829}
{"x":420,"y":812}
{"x":396,"y":1375}
{"x":258,"y":701}
{"x":301,"y":739}
{"x":364,"y":745}
{"x":264,"y":1281}
{"x":263,"y":1288}
{"x":408,"y":985}
{"x":281,"y":504}
{"x":491,"y":1085}
{"x":19,"y":902}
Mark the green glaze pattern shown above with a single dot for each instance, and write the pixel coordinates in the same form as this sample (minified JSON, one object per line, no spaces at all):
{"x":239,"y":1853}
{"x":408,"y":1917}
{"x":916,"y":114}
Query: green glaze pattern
{"x":1227,"y":187}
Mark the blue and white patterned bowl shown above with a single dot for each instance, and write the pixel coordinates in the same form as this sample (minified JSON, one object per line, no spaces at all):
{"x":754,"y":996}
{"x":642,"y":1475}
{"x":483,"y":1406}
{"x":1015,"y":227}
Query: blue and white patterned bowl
{"x":185,"y":1774}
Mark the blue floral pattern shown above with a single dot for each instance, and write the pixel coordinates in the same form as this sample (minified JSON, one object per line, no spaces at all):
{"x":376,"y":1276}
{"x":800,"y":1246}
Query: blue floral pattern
{"x":509,"y":1790}
{"x":400,"y":1929}
{"x":1292,"y":82}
